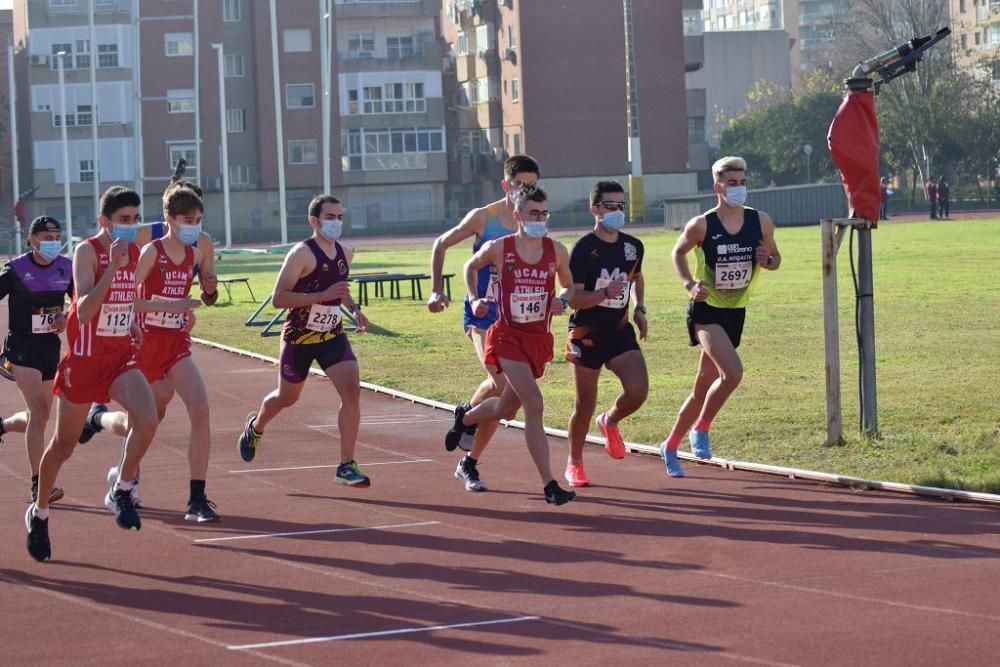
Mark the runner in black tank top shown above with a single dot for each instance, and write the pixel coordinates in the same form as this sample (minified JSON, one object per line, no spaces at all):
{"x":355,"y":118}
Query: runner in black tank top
{"x":313,"y":285}
{"x":732,"y":243}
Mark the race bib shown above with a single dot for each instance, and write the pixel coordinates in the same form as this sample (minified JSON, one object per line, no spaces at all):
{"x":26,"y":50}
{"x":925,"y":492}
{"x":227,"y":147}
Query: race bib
{"x":44,"y":322}
{"x":528,"y":307}
{"x":115,"y":319}
{"x":621,"y":301}
{"x":162,"y":319}
{"x":733,"y":275}
{"x":323,"y":318}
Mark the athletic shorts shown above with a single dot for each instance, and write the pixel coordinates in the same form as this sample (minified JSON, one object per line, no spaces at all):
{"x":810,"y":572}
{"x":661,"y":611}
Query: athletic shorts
{"x":89,"y":379}
{"x":503,"y":342}
{"x":159,"y":353}
{"x":470,"y":320}
{"x":595,"y":349}
{"x":296,"y":358}
{"x":730,"y":319}
{"x":38,"y":351}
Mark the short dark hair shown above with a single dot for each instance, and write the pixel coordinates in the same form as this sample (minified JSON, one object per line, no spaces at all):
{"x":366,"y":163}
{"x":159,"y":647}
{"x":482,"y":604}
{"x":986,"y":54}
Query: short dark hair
{"x":603,"y":187}
{"x":316,"y":205}
{"x":529,"y":193}
{"x":116,"y":197}
{"x":515,"y":164}
{"x":180,"y":200}
{"x":181,"y":183}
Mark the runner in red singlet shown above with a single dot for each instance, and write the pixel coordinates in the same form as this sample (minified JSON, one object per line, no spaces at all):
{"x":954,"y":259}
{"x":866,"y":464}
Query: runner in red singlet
{"x":519,"y":343}
{"x":100,"y":361}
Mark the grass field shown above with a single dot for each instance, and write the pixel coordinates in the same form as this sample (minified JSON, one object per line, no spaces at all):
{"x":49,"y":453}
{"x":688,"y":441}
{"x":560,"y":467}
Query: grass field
{"x":937,"y":312}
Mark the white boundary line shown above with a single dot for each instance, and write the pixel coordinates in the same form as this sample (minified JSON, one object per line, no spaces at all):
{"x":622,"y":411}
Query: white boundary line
{"x":383,"y":633}
{"x":791,"y":473}
{"x":258,"y":536}
{"x":245,"y":471}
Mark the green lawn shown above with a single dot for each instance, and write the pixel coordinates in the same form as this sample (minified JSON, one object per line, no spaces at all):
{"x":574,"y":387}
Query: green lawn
{"x":937,"y":311}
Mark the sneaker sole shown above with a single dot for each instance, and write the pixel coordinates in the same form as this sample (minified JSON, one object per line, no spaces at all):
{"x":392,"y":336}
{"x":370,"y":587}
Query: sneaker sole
{"x":200,"y":519}
{"x":553,"y":501}
{"x":613,"y":451}
{"x":356,"y":485}
{"x":575,"y":485}
{"x":472,"y":487}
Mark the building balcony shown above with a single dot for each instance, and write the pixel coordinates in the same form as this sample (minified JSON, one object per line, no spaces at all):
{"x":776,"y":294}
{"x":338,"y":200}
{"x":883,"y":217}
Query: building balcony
{"x":395,"y":168}
{"x":380,"y":9}
{"x":423,"y":56}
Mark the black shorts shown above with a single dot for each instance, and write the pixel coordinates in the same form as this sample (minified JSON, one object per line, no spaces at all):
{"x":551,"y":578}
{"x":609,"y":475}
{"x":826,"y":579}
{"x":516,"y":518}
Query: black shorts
{"x":730,"y":319}
{"x":594,"y":350}
{"x":38,"y":351}
{"x":296,"y":358}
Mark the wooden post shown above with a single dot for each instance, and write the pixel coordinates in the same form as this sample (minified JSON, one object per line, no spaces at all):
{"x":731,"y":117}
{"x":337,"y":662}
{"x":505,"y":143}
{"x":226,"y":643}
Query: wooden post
{"x":831,"y":331}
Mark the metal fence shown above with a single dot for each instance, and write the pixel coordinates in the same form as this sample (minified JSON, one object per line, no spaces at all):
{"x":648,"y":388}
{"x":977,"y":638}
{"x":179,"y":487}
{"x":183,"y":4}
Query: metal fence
{"x":788,"y":206}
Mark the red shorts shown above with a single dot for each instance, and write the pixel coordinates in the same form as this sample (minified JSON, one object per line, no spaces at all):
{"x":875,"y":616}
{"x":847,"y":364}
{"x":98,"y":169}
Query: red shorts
{"x":89,"y":379}
{"x":504,"y":342}
{"x":160,"y":351}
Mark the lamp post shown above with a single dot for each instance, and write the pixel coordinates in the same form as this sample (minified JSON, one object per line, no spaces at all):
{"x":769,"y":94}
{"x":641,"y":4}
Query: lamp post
{"x":808,"y":149}
{"x":16,"y":184}
{"x":65,"y":153}
{"x":226,"y":209}
{"x":278,"y":123}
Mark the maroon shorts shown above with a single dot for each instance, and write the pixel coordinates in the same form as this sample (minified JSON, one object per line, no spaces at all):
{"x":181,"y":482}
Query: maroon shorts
{"x":504,"y":342}
{"x":89,"y":379}
{"x":160,"y":351}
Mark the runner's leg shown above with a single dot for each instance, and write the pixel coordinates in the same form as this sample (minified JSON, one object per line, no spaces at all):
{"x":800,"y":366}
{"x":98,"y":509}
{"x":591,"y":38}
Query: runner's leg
{"x":630,"y":367}
{"x":186,"y":379}
{"x":521,"y":381}
{"x":691,"y":408}
{"x":37,"y":396}
{"x":346,"y":380}
{"x":491,"y":387}
{"x":132,"y":391}
{"x":283,"y":397}
{"x":585,"y":381}
{"x":716,"y":344}
{"x":69,"y":421}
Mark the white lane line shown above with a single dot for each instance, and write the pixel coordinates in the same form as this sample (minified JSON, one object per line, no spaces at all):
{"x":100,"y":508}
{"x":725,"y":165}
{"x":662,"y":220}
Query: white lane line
{"x":332,"y":465}
{"x":383,"y":633}
{"x":257,"y":536}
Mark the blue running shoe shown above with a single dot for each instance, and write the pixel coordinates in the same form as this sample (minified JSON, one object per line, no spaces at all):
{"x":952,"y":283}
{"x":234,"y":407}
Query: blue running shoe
{"x":350,"y":474}
{"x":699,"y":444}
{"x":674,"y":468}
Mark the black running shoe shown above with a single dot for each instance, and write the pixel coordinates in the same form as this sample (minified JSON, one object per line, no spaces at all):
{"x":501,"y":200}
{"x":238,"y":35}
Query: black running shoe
{"x":201,"y":510}
{"x":249,"y":440}
{"x":93,"y":423}
{"x":454,"y":435}
{"x":125,"y":515}
{"x":555,"y":495}
{"x":38,"y":536}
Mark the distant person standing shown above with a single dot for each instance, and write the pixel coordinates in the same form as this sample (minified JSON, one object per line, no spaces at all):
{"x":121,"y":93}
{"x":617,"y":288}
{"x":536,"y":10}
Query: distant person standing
{"x":944,"y":202}
{"x":883,"y":210}
{"x":930,"y":187}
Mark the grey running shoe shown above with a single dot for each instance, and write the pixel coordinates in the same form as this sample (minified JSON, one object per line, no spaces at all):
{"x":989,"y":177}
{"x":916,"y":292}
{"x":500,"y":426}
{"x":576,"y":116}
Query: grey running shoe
{"x":467,"y":472}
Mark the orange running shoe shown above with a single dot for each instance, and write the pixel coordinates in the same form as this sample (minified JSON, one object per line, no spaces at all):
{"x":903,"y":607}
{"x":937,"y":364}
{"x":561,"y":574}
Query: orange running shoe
{"x":613,"y":442}
{"x":575,"y":475}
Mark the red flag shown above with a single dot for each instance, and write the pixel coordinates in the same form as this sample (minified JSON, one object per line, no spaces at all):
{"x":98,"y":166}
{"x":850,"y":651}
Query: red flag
{"x":19,"y":212}
{"x":853,"y":141}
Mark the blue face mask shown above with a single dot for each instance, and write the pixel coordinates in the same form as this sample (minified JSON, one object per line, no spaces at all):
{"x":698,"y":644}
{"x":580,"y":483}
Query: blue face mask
{"x":613,"y":220}
{"x":736,"y":195}
{"x":331,"y":229}
{"x":124,"y":232}
{"x":49,"y":250}
{"x":536,"y":230}
{"x":188,"y":234}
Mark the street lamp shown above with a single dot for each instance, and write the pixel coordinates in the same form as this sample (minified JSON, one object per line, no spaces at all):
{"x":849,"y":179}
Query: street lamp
{"x":65,"y":152}
{"x":226,"y":208}
{"x":808,"y":149}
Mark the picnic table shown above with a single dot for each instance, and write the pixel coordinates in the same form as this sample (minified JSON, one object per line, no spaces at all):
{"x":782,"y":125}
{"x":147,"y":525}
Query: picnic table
{"x":394,"y":281}
{"x":228,"y":282}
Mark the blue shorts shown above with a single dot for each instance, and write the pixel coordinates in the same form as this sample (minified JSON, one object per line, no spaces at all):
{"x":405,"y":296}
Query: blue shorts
{"x":470,"y":320}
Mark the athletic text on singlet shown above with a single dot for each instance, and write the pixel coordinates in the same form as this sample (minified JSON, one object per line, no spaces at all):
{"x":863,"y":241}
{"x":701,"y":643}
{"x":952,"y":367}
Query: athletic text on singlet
{"x":727,"y":262}
{"x":320,"y":321}
{"x":167,"y":282}
{"x":595,"y":264}
{"x":526,"y":290}
{"x":108,"y":332}
{"x":36,"y":294}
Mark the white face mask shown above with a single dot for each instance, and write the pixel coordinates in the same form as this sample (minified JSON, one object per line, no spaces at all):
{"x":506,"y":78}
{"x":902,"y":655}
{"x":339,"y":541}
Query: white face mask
{"x":536,"y":230}
{"x":736,"y":195}
{"x":331,"y":229}
{"x":613,"y":220}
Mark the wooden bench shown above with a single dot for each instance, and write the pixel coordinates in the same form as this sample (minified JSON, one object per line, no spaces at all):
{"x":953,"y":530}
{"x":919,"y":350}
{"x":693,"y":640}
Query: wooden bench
{"x":394,"y":281}
{"x":229,"y":282}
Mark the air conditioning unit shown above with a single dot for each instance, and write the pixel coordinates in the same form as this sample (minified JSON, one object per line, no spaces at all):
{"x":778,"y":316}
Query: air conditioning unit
{"x":510,"y":55}
{"x":39,"y":60}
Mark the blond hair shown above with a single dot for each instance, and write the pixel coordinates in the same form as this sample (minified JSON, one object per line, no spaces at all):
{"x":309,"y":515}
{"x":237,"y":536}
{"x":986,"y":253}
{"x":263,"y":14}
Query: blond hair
{"x":729,"y":163}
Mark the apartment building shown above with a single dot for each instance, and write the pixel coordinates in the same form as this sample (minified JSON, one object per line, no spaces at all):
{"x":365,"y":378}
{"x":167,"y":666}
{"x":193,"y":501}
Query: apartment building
{"x":975,"y":40}
{"x":387,"y":126}
{"x":549,"y":79}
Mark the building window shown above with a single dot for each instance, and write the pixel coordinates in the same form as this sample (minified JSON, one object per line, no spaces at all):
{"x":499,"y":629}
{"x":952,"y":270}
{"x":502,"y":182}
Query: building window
{"x":68,"y":60}
{"x":84,"y":116}
{"x":961,"y":6}
{"x":302,"y":151}
{"x":515,"y":90}
{"x":511,"y":37}
{"x":487,"y":90}
{"x":186,"y":151}
{"x":236,"y":120}
{"x":180,"y":101}
{"x":405,"y":98}
{"x":373,"y":99}
{"x":178,"y":44}
{"x":62,"y":3}
{"x":82,"y":54}
{"x":107,"y":55}
{"x":231,"y":11}
{"x":385,"y":149}
{"x":965,"y":41}
{"x":485,"y":38}
{"x":463,"y":44}
{"x":361,"y":45}
{"x":298,"y":40}
{"x":400,"y":47}
{"x":517,"y":143}
{"x":241,"y":174}
{"x":86,"y":171}
{"x":234,"y":65}
{"x":696,"y":129}
{"x":299,"y":96}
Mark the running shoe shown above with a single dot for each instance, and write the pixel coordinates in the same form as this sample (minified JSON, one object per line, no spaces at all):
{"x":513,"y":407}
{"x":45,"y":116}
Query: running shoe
{"x":555,"y":495}
{"x":55,"y":494}
{"x":699,"y":444}
{"x":93,"y":423}
{"x":125,"y":515}
{"x":38,"y":535}
{"x":5,"y":368}
{"x":576,"y":475}
{"x":454,"y":435}
{"x":670,"y":459}
{"x":350,"y":474}
{"x":613,"y":442}
{"x":468,"y":473}
{"x":113,"y":478}
{"x":201,"y":510}
{"x":249,"y":441}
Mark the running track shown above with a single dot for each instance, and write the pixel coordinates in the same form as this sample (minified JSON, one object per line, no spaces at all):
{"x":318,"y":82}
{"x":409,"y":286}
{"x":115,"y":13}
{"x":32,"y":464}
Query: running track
{"x":719,"y":568}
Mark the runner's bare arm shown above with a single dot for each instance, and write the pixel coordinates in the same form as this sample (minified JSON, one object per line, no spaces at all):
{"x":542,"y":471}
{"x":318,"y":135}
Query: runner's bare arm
{"x":146,"y":263}
{"x":490,"y":253}
{"x":206,"y":270}
{"x":565,"y":277}
{"x":639,"y":313}
{"x":472,"y":224}
{"x":89,"y":293}
{"x":768,"y":256}
{"x":692,"y":236}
